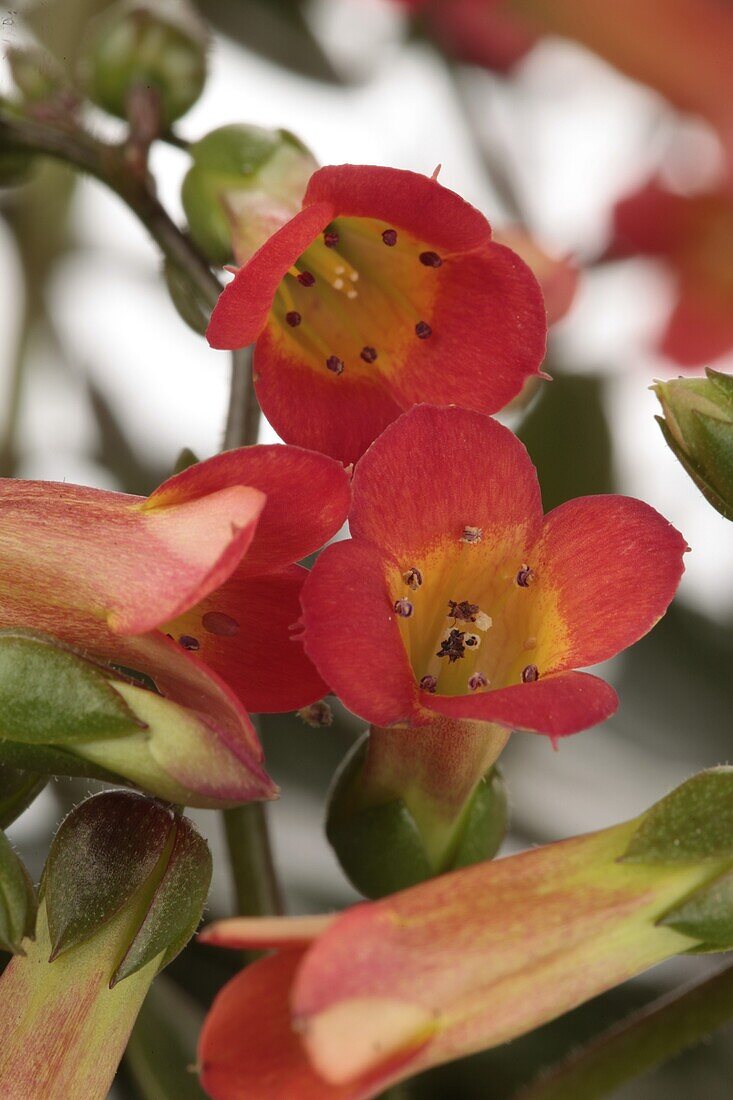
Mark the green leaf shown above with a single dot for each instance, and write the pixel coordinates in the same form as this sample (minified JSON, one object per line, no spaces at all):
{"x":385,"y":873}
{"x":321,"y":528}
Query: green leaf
{"x":176,"y":906}
{"x":102,"y":854}
{"x":694,"y":823}
{"x":17,"y":900}
{"x":17,"y":791}
{"x":49,"y":695}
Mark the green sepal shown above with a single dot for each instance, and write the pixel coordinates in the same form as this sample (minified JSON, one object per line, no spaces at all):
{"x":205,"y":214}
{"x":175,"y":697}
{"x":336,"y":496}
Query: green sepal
{"x":18,"y":788}
{"x":177,"y":903}
{"x":692,"y":824}
{"x":18,"y":905}
{"x":485,"y":822}
{"x":49,"y":695}
{"x":102,"y":854}
{"x":707,"y":915}
{"x":53,"y":761}
{"x":189,"y":303}
{"x":380,"y":849}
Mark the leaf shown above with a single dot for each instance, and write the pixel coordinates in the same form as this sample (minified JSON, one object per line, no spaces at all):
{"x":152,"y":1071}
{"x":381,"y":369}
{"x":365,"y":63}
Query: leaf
{"x":17,"y":900}
{"x":17,"y":790}
{"x":693,"y":823}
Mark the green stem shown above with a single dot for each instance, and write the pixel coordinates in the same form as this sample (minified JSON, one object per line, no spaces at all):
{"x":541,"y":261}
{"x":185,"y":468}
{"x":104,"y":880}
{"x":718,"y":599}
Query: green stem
{"x":243,"y":414}
{"x":107,"y":163}
{"x":250,"y":857}
{"x":645,"y":1039}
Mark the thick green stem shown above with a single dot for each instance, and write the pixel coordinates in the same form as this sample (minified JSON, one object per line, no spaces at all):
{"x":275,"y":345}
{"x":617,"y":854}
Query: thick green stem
{"x":645,"y":1039}
{"x":250,"y":857}
{"x":107,"y":163}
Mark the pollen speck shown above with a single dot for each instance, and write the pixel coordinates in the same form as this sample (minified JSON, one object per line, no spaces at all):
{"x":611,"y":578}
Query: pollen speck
{"x":484,"y":621}
{"x":530,"y":674}
{"x":473,"y":641}
{"x":338,"y":284}
{"x":530,"y":643}
{"x":453,"y":646}
{"x":472,"y":534}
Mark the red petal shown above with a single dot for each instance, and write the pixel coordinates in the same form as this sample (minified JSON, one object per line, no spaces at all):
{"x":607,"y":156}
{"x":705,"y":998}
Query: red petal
{"x":434,"y":472}
{"x":261,"y":933}
{"x":307,"y":498}
{"x":610,"y":566}
{"x":402,"y":200}
{"x":243,"y":308}
{"x":248,"y":1049}
{"x":243,"y":631}
{"x":653,"y":221}
{"x":339,"y":416}
{"x":558,"y":704}
{"x":352,"y":636}
{"x":489,"y":332}
{"x":700,"y":328}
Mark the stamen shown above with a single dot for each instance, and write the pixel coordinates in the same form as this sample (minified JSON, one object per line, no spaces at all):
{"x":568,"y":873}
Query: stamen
{"x":389,"y":236}
{"x":464,"y":611}
{"x":423,"y":330}
{"x":368,"y":354}
{"x":189,"y":642}
{"x":472,"y":534}
{"x":330,"y":239}
{"x":473,"y":641}
{"x":293,"y":318}
{"x":335,"y":365}
{"x":530,"y":674}
{"x":430,"y":259}
{"x":429,"y":683}
{"x":412,"y":578}
{"x":484,"y":621}
{"x":453,"y":646}
{"x":525,"y":576}
{"x":306,"y":279}
{"x":216,"y":622}
{"x":317,"y":714}
{"x":478,"y":680}
{"x":404,"y":608}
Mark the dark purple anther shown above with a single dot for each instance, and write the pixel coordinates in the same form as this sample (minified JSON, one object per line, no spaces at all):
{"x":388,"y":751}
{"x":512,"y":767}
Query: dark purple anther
{"x":335,"y":365}
{"x":478,"y":680}
{"x":452,"y":647}
{"x":306,"y":279}
{"x":390,"y":237}
{"x":330,"y":239}
{"x":525,"y":576}
{"x":429,"y":683}
{"x":430,"y":259}
{"x":293,"y":318}
{"x":530,"y":674}
{"x":404,"y":608}
{"x":423,"y":330}
{"x":368,"y":354}
{"x":412,"y":578}
{"x":189,"y":642}
{"x":216,"y":622}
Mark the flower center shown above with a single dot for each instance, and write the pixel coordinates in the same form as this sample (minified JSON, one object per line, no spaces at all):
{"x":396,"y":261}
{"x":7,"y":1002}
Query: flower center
{"x":360,"y":298}
{"x":467,"y":614}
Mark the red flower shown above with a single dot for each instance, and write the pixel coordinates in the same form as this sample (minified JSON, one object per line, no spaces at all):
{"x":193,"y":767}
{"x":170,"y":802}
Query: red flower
{"x":193,"y":587}
{"x":694,"y":236}
{"x":455,"y":598}
{"x":384,"y":291}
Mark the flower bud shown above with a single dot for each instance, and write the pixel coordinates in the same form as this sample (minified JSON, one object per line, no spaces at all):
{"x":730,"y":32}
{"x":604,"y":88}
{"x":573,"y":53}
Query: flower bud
{"x":245,"y":182}
{"x":386,"y":843}
{"x":698,"y":426}
{"x":122,"y":892}
{"x":17,"y":900}
{"x":63,"y":714}
{"x":17,"y":791}
{"x":135,"y":44}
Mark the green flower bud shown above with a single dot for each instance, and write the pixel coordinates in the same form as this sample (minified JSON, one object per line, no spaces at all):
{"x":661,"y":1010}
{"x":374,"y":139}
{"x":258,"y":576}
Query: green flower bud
{"x":123,"y":891}
{"x":17,"y":900}
{"x":244,"y":184}
{"x":151,"y":46}
{"x":384,"y":844}
{"x":698,"y":426}
{"x":65,"y":715}
{"x":36,"y":74}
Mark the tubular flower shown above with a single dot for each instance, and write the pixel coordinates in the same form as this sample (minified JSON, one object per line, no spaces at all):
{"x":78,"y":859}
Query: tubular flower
{"x":386,"y":289}
{"x":189,"y":592}
{"x":694,"y":236}
{"x":354,"y":1002}
{"x":455,"y":598}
